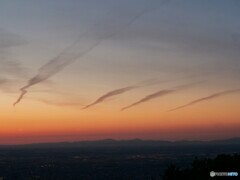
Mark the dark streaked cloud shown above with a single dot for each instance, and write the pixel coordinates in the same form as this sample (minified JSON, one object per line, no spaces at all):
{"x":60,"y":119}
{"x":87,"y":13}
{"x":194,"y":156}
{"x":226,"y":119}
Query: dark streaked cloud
{"x":120,"y":91}
{"x":111,"y":94}
{"x":159,"y":94}
{"x":149,"y":97}
{"x":207,"y":98}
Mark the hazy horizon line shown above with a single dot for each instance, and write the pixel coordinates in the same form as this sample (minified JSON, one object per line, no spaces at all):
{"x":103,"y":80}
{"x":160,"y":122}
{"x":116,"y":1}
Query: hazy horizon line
{"x":121,"y":140}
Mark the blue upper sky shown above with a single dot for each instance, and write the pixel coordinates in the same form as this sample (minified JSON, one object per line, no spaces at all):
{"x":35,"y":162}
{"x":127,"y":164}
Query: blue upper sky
{"x":172,"y":38}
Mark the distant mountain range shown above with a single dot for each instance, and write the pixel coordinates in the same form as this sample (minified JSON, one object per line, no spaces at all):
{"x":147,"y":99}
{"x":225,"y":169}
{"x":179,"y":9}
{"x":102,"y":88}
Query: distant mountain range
{"x":128,"y":143}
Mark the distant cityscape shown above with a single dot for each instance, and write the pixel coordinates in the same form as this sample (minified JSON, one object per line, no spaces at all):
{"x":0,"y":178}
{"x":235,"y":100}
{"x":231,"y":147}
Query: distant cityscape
{"x":106,"y":159}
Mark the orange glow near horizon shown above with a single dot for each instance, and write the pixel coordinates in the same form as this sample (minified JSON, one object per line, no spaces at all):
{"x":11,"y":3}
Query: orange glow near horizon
{"x":34,"y":121}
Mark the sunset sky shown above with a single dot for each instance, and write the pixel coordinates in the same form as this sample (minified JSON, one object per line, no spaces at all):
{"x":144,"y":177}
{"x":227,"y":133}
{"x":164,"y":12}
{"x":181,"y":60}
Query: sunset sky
{"x":149,"y":69}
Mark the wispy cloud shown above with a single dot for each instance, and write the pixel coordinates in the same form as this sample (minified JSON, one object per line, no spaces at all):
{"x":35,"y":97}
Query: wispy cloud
{"x":207,"y":98}
{"x":94,"y":37}
{"x":10,"y":67}
{"x":8,"y":39}
{"x":110,"y":94}
{"x":3,"y":81}
{"x":6,"y":84}
{"x":149,"y":97}
{"x":158,"y":94}
{"x":10,"y":70}
{"x":123,"y":90}
{"x":61,"y":104}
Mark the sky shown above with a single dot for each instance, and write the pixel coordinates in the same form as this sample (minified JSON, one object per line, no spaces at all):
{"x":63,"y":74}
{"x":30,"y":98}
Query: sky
{"x":151,"y":69}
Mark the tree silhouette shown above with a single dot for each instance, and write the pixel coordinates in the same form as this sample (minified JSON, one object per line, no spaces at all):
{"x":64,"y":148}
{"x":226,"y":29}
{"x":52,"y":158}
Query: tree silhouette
{"x":201,"y":168}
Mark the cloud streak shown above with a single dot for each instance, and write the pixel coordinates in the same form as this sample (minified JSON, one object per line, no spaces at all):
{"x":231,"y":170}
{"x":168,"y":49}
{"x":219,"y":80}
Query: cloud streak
{"x":123,"y":90}
{"x":3,"y":81}
{"x":94,"y":37}
{"x":149,"y":97}
{"x":157,"y":94}
{"x":61,"y":104}
{"x":12,"y":68}
{"x":111,"y":94}
{"x":10,"y":71}
{"x":7,"y":41}
{"x":207,"y":98}
{"x":129,"y":88}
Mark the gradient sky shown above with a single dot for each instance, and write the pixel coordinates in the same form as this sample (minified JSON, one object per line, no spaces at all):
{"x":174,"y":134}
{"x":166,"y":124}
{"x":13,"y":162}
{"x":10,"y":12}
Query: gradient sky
{"x":172,"y":43}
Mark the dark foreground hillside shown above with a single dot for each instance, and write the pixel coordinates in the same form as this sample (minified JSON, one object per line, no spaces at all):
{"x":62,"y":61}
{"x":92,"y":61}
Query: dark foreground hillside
{"x":118,"y":160}
{"x":206,"y":168}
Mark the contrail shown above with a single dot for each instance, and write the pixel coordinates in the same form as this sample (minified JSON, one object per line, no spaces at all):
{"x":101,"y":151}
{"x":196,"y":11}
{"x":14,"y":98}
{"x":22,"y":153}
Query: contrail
{"x":158,"y":94}
{"x":129,"y":88}
{"x":207,"y":98}
{"x":94,"y":36}
{"x":23,"y":92}
{"x":121,"y":91}
{"x":48,"y":70}
{"x":149,"y":97}
{"x":110,"y":94}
